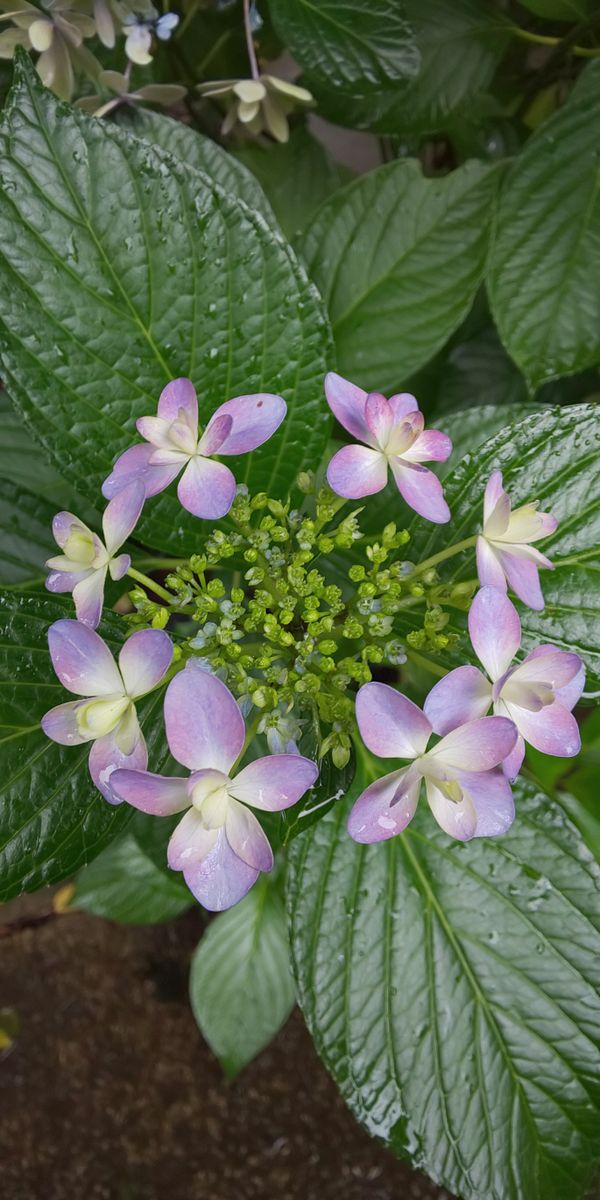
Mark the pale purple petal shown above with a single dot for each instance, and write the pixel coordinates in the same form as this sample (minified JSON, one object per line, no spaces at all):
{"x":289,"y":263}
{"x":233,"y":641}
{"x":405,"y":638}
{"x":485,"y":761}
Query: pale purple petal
{"x":82,"y":661}
{"x":429,"y":446}
{"x":205,"y":728}
{"x":247,"y":838}
{"x":144,"y":659}
{"x":553,"y":729}
{"x":477,"y":746}
{"x":62,"y":527}
{"x":206,"y":489}
{"x":274,"y":782}
{"x":159,"y":795}
{"x":190,"y":841}
{"x":390,"y":725}
{"x":402,"y":403}
{"x":462,"y":695}
{"x":548,"y":665}
{"x":379,"y":418}
{"x":495,"y":630}
{"x":88,"y":597}
{"x":421,"y":489}
{"x":106,"y":757}
{"x":489,"y":570}
{"x":221,"y":879}
{"x":523,"y":578}
{"x":491,"y":794}
{"x":347,"y":403}
{"x":122,"y":514}
{"x":494,"y":494}
{"x":60,"y":724}
{"x":64,"y":581}
{"x":134,"y":464}
{"x":118,"y":567}
{"x":513,"y":762}
{"x":217,"y":430}
{"x":385,"y":807}
{"x":457,"y":818}
{"x":357,"y":471}
{"x":571,"y":692}
{"x":179,"y":393}
{"x":255,"y":419}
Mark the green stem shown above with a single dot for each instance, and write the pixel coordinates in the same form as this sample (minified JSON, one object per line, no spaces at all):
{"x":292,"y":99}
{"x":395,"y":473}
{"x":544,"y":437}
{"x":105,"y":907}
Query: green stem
{"x":154,"y":587}
{"x":466,"y":544}
{"x":420,"y":661}
{"x":161,"y":564}
{"x":541,"y":39}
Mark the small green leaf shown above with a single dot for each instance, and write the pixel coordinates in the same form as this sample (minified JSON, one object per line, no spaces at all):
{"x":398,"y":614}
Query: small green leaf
{"x":545,"y":260}
{"x":241,"y":988}
{"x":297,"y":177}
{"x":398,"y":259}
{"x":452,"y":991}
{"x":124,"y":884}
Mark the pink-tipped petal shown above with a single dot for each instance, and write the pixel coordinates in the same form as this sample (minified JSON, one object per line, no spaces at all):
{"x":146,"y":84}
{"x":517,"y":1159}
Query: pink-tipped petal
{"x":255,"y":419}
{"x":477,"y":746}
{"x":347,"y":403}
{"x":457,"y":818}
{"x":247,"y":838}
{"x":88,"y":597}
{"x":134,"y":465}
{"x":179,"y":393}
{"x":64,"y":581}
{"x":144,"y":659}
{"x":462,"y":695}
{"x":489,"y":570}
{"x":548,"y":665}
{"x":571,"y":692}
{"x":122,"y":514}
{"x":206,"y":489}
{"x":205,"y":728}
{"x":385,"y":807}
{"x":494,"y":495}
{"x":357,"y":471}
{"x":401,"y":404}
{"x":429,"y":446}
{"x":495,"y":630}
{"x":217,"y":430}
{"x":274,"y":782}
{"x":106,"y":757}
{"x":60,"y":724}
{"x":523,"y":578}
{"x":82,"y":661}
{"x":513,"y":762}
{"x":421,"y":489}
{"x":379,"y":418}
{"x":221,"y":879}
{"x":390,"y":725}
{"x":491,"y":794}
{"x":159,"y":795}
{"x":553,"y":729}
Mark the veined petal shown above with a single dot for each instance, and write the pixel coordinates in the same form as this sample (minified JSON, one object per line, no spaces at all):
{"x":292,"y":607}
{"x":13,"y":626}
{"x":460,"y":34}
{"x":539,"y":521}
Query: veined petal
{"x":379,"y":418}
{"x":88,"y":597}
{"x":106,"y":757}
{"x":357,"y":471}
{"x":221,"y":879}
{"x":462,"y":695}
{"x":122,"y":514}
{"x":254,"y":420}
{"x":190,"y":842}
{"x":496,"y":503}
{"x":347,"y":403}
{"x":385,"y":808}
{"x":553,"y":729}
{"x":489,"y":569}
{"x":134,"y":464}
{"x":82,"y":661}
{"x":390,"y":725}
{"x":247,"y":838}
{"x":421,"y":489}
{"x":205,"y":728}
{"x":476,"y":746}
{"x":495,"y":630}
{"x":274,"y":782}
{"x":522,"y":575}
{"x":491,"y":794}
{"x":144,"y":659}
{"x":160,"y":795}
{"x":206,"y":488}
{"x":60,"y":724}
{"x":429,"y":446}
{"x":458,"y":818}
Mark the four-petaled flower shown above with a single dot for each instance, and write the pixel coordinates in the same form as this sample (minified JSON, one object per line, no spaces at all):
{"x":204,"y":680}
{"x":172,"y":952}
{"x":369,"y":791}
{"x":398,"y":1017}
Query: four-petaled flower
{"x":140,"y":28}
{"x":219,"y":844}
{"x":82,"y":567}
{"x":106,"y":716}
{"x":393,"y":433}
{"x":207,"y":488}
{"x":259,"y":104}
{"x":503,"y":550}
{"x":467,"y":796}
{"x":537,"y":694}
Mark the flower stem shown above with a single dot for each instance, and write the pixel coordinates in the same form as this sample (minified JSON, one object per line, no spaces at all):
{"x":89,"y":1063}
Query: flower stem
{"x":466,"y":544}
{"x":154,"y":587}
{"x":541,"y":39}
{"x":250,"y":41}
{"x":161,"y":564}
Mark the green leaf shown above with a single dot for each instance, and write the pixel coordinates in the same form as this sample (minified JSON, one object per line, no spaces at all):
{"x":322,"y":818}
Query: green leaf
{"x":25,"y":534}
{"x":106,"y":293}
{"x":470,"y":428}
{"x":241,"y":988}
{"x":124,"y":884}
{"x":348,"y":48}
{"x":452,"y":991}
{"x":560,"y":10}
{"x":545,"y":259}
{"x":297,"y":177}
{"x":332,"y":784}
{"x":23,"y":460}
{"x":398,"y":259}
{"x":52,"y":819}
{"x":479,"y":372}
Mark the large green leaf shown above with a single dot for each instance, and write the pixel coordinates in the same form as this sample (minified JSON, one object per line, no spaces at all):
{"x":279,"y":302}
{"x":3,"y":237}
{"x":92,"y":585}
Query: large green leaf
{"x":479,"y":372}
{"x":124,"y":884}
{"x":52,"y":819}
{"x":107,"y":292}
{"x":452,"y":991}
{"x":398,"y":259}
{"x":25,"y":534}
{"x":352,"y":49}
{"x":469,"y":428}
{"x":545,"y":260}
{"x":297,"y":177}
{"x":560,"y":10}
{"x":241,"y":986}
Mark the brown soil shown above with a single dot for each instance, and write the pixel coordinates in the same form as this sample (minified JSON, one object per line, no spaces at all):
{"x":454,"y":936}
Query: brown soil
{"x":109,"y":1092}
